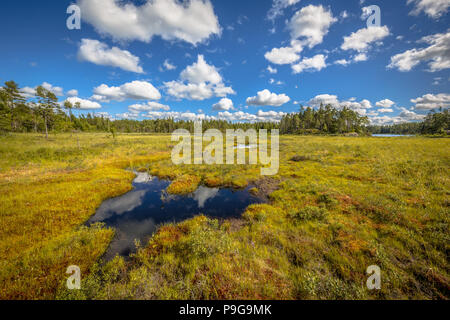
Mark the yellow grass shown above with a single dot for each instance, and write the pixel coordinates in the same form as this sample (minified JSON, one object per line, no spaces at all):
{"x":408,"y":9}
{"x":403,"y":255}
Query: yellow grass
{"x":342,"y":205}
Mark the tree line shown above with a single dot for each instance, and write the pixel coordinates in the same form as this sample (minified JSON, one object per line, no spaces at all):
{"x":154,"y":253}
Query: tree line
{"x":325,"y":120}
{"x":43,"y":114}
{"x":434,"y":123}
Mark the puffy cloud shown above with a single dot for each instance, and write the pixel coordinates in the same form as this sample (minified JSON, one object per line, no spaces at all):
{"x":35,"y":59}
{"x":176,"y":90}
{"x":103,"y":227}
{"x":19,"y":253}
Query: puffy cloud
{"x":199,"y":81}
{"x":404,"y":116}
{"x":99,"y":53}
{"x":315,"y":63}
{"x":278,"y":6}
{"x":105,"y":115}
{"x":72,"y":93}
{"x":193,"y":21}
{"x":58,"y":91}
{"x":432,"y":101}
{"x":84,"y":104}
{"x":382,"y":120}
{"x":357,"y":58}
{"x":363,"y":38}
{"x":136,"y":90}
{"x":366,"y":12}
{"x":386,"y":103}
{"x":272,"y":70}
{"x":409,"y":115}
{"x":29,"y":92}
{"x":187,"y":116}
{"x":273,"y":81}
{"x":433,"y":8}
{"x":240,"y":116}
{"x":201,"y":72}
{"x":150,"y":106}
{"x":324,"y":99}
{"x":327,"y":99}
{"x":438,"y":53}
{"x":342,"y":62}
{"x":270,"y":115}
{"x":266,"y":98}
{"x":389,"y":120}
{"x":168,"y":66}
{"x":307,"y":27}
{"x":284,"y":55}
{"x":344,"y":15}
{"x":360,"y":57}
{"x":385,"y":110}
{"x":311,"y":24}
{"x":224,"y":104}
{"x":189,"y":91}
{"x":127,"y":115}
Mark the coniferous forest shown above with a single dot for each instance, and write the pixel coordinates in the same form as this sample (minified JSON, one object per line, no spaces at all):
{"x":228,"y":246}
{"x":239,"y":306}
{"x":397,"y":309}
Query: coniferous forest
{"x":43,"y":114}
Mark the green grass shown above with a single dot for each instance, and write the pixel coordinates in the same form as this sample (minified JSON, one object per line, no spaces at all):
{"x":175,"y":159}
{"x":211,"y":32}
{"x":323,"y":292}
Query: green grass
{"x":342,"y":204}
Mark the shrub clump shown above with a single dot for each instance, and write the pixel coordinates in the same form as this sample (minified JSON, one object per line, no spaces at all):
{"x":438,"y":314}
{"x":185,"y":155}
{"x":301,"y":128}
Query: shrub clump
{"x":260,"y":212}
{"x":254,"y":191}
{"x":207,"y":240}
{"x":327,"y":201}
{"x":310,"y":213}
{"x":184,"y":185}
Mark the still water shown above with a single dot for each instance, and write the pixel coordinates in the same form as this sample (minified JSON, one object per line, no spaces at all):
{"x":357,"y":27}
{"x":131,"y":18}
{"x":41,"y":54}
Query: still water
{"x":137,"y":214}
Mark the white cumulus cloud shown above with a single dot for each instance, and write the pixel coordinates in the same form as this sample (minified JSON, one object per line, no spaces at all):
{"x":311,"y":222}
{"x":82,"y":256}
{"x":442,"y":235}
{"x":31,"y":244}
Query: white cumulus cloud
{"x":272,"y":70}
{"x":432,"y":101}
{"x":307,"y":27}
{"x":84,"y":104}
{"x":224,"y":104}
{"x":99,"y":53}
{"x":311,"y":24}
{"x":433,"y":8}
{"x":315,"y":63}
{"x":284,"y":55}
{"x":267,"y":98}
{"x":168,"y":66}
{"x":29,"y":92}
{"x":149,"y":106}
{"x":278,"y":7}
{"x":135,"y":90}
{"x":72,"y":93}
{"x":333,"y":100}
{"x":240,"y":116}
{"x":193,"y":21}
{"x":386,"y":103}
{"x":199,"y":81}
{"x":362,"y":39}
{"x":437,"y":53}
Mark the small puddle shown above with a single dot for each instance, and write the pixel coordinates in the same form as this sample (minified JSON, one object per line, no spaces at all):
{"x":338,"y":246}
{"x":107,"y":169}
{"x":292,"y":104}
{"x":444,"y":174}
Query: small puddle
{"x":138,"y":213}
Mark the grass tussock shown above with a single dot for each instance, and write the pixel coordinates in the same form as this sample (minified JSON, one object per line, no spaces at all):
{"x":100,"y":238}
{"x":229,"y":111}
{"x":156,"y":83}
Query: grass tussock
{"x":184,"y":185}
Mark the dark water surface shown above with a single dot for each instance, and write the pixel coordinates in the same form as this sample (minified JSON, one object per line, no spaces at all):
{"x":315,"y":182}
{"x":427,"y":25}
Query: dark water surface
{"x":137,"y":214}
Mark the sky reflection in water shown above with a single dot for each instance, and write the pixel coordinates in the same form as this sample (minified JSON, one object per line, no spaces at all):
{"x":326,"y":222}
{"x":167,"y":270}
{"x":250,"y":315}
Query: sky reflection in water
{"x":137,"y":214}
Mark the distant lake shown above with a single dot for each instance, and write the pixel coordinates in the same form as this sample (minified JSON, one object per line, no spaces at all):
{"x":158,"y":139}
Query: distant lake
{"x":137,"y":214}
{"x":392,"y":135}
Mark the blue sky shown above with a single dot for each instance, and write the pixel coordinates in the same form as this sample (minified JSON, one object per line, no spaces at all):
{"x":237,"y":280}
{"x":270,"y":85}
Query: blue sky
{"x":233,"y":60}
